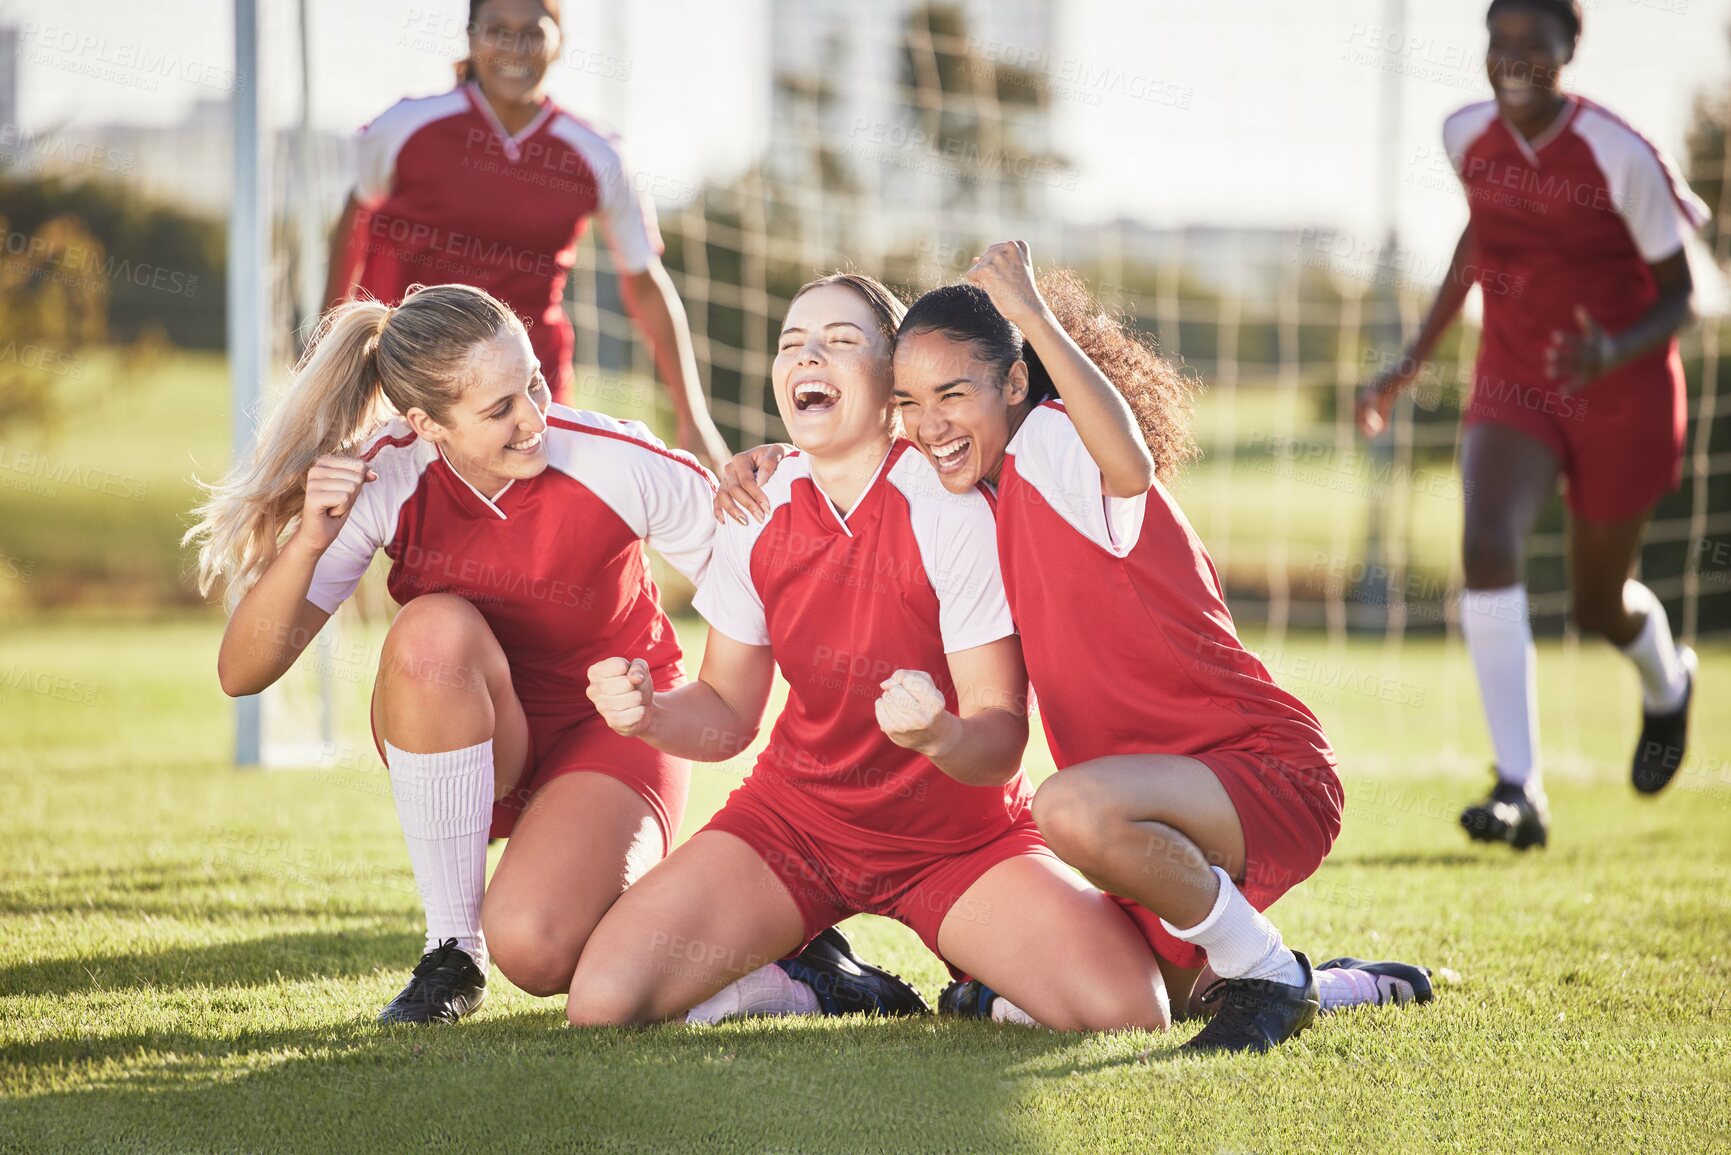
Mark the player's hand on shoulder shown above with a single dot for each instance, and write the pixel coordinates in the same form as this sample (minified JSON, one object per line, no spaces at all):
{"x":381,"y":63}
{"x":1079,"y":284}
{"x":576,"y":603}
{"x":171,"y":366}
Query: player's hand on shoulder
{"x":739,"y":489}
{"x":332,"y":486}
{"x":911,"y":710}
{"x":1006,"y":272}
{"x":623,"y":693}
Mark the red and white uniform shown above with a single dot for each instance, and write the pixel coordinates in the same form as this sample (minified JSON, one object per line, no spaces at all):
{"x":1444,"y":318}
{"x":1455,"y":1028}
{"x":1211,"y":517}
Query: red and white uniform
{"x":1570,"y":219}
{"x":848,"y":819}
{"x":450,"y":197}
{"x":1131,"y":650}
{"x":556,"y":565}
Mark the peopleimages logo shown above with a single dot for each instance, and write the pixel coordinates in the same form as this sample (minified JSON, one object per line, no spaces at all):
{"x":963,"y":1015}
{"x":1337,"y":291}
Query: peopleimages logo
{"x":45,"y":261}
{"x":123,"y":62}
{"x":39,"y":473}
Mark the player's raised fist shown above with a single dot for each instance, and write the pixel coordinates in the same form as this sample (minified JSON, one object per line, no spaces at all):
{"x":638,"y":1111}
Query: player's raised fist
{"x":1006,"y":272}
{"x":623,"y":693}
{"x":332,"y":485}
{"x":912,"y":712}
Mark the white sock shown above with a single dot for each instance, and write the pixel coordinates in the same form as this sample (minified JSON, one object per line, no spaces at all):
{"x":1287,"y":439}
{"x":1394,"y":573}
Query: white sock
{"x":1663,"y":677}
{"x":445,"y":804}
{"x":766,"y":991}
{"x":1240,"y":942}
{"x":1500,"y":639}
{"x":1004,"y":1011}
{"x":1342,"y":988}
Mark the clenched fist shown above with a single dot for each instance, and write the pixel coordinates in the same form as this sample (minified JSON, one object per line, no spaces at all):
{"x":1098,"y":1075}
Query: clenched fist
{"x":1006,"y":272}
{"x":911,"y":711}
{"x":333,"y":483}
{"x":623,"y":693}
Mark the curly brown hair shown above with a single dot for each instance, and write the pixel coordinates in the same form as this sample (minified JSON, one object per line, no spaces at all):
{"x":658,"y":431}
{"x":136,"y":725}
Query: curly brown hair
{"x":1160,"y":394}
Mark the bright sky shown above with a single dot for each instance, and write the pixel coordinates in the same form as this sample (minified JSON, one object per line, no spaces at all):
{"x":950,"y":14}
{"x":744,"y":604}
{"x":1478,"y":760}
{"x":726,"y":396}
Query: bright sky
{"x":1256,"y":112}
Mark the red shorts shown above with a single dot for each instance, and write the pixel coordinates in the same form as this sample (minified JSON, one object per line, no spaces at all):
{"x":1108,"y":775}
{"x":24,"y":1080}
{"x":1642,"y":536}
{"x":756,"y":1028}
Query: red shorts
{"x":830,"y":880}
{"x":1619,"y":441}
{"x":563,"y":744}
{"x":1289,"y":804}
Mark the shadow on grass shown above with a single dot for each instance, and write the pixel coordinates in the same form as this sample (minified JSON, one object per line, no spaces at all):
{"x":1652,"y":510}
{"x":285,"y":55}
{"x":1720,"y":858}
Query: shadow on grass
{"x":1421,"y":858}
{"x":523,"y":1083}
{"x":172,"y":888}
{"x":247,"y":962}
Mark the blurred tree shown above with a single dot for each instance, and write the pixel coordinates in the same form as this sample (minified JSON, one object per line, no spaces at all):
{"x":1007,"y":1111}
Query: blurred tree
{"x":163,"y":268}
{"x":52,"y":309}
{"x":975,"y":110}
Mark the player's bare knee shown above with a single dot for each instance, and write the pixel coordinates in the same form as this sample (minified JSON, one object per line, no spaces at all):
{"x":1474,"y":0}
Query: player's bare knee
{"x":1123,"y":1010}
{"x":1073,"y":819}
{"x":437,"y":640}
{"x":537,"y":955}
{"x":606,"y":998}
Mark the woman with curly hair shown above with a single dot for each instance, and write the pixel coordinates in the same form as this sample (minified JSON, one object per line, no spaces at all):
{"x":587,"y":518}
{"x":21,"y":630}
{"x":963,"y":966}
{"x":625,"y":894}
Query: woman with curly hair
{"x":1191,"y":786}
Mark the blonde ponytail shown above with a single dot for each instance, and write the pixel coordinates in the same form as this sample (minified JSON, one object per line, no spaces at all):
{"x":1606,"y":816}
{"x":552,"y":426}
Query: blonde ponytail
{"x":366,"y":362}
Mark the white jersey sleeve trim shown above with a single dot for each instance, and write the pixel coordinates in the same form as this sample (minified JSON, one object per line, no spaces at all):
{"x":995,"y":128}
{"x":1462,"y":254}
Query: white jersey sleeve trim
{"x":663,"y":495}
{"x":379,"y":143}
{"x":625,"y":216}
{"x":1051,"y":457}
{"x":957,"y":536}
{"x":727,"y":597}
{"x":1463,"y":129}
{"x":1655,"y":202}
{"x":399,"y":459}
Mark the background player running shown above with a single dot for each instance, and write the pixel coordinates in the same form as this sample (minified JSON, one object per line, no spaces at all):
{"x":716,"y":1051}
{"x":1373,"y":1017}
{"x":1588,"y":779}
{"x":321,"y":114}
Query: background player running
{"x":1576,"y":234}
{"x":892,"y":779}
{"x":491,"y":184}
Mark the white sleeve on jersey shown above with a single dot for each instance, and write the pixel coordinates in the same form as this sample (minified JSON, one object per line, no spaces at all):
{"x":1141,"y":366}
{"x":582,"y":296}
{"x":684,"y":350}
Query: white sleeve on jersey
{"x":1655,"y":202}
{"x":625,"y":216}
{"x":1463,"y":128}
{"x":662,"y":494}
{"x":958,"y":540}
{"x":377,"y":145}
{"x":375,"y":164}
{"x":727,"y":597}
{"x":679,"y":503}
{"x":1050,"y":456}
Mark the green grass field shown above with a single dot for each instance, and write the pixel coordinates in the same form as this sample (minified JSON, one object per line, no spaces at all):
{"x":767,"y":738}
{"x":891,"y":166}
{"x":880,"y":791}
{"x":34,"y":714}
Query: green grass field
{"x":190,"y":957}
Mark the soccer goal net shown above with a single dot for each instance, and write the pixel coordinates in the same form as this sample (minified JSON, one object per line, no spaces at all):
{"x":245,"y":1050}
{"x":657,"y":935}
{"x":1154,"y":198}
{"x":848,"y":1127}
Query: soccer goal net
{"x":904,"y":137}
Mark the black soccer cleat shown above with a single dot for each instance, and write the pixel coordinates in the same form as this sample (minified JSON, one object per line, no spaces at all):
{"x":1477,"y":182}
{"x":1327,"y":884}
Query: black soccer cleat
{"x":1664,"y":737}
{"x":967,"y":999}
{"x":1517,"y":815}
{"x":446,"y":986}
{"x":1397,"y":983}
{"x":847,"y":985}
{"x":1257,"y":1015}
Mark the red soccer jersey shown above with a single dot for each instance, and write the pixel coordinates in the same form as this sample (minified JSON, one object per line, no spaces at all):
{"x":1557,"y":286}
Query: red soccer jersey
{"x":909,"y":575}
{"x":1129,"y":644}
{"x":452,"y":198}
{"x":1569,"y":219}
{"x":555,"y":563}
